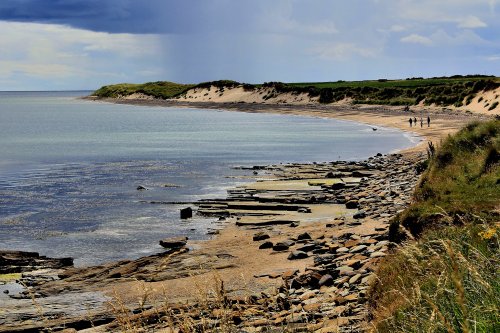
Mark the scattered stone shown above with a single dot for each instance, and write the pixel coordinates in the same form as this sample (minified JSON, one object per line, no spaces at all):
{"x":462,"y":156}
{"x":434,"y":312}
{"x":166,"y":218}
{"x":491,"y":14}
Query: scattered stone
{"x":266,"y":245}
{"x":377,"y":254}
{"x":359,"y":215}
{"x":294,"y":255}
{"x":303,"y":236}
{"x":326,"y":280}
{"x":352,"y":204}
{"x":260,"y":236}
{"x":141,"y":188}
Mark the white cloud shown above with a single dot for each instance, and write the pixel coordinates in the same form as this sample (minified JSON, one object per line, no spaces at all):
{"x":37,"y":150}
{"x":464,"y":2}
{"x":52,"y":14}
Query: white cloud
{"x":50,"y":52}
{"x":471,"y":22}
{"x":397,"y":28}
{"x":416,"y":39}
{"x":495,"y":57}
{"x":343,"y":51}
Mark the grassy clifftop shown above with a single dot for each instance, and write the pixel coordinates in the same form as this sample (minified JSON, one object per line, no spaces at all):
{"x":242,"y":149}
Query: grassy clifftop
{"x":160,"y":89}
{"x":443,"y":91}
{"x":448,"y":280}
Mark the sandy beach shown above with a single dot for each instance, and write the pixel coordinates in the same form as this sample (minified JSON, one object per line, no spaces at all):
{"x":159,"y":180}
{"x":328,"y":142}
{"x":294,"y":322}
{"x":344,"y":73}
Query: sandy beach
{"x":310,"y":209}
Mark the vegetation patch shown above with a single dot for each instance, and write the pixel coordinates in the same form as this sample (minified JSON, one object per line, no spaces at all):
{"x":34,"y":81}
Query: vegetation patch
{"x":9,"y":277}
{"x":160,"y":89}
{"x":448,"y":280}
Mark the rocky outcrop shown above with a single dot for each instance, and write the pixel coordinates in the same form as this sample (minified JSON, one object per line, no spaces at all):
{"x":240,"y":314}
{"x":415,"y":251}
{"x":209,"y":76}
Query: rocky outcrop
{"x":19,"y":261}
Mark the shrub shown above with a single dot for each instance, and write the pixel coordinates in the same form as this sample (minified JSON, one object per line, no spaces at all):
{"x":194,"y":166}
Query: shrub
{"x":493,"y":106}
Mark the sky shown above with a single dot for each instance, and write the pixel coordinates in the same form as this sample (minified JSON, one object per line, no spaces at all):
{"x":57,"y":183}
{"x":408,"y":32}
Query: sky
{"x":84,"y":44}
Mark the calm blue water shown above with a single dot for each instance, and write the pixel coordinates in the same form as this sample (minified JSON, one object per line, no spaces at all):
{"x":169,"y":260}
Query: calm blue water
{"x":69,"y":168}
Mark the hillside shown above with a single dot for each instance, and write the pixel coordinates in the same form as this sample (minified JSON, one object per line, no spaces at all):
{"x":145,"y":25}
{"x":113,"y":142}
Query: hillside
{"x":447,"y":280}
{"x":473,"y":93}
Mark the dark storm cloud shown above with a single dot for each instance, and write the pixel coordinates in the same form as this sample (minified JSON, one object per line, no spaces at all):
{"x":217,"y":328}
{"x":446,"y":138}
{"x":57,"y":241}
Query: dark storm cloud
{"x":97,"y":15}
{"x":133,"y":16}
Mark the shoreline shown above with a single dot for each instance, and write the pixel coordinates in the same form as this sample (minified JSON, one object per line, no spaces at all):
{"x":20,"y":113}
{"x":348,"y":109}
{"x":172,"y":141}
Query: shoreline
{"x":444,"y":121}
{"x":224,"y":255}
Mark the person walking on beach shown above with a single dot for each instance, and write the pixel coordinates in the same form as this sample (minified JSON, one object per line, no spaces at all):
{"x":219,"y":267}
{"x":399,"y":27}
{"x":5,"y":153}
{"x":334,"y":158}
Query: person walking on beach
{"x":421,"y":122}
{"x":428,"y":121}
{"x":410,"y":121}
{"x":415,"y":120}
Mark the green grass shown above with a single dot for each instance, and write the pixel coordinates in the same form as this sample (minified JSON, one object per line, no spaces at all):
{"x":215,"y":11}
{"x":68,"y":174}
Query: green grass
{"x":448,"y":280}
{"x":383,"y":83}
{"x":463,"y":178}
{"x":10,"y":277}
{"x":160,"y":89}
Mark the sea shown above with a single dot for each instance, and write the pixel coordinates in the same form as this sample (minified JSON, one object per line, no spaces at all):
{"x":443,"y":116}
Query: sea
{"x":70,"y":168}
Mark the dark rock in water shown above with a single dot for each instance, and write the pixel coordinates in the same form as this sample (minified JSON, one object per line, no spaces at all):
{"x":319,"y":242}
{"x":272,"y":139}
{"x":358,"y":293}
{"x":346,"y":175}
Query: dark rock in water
{"x":326,"y":280}
{"x":304,"y":235}
{"x":266,"y":245}
{"x":186,"y":213}
{"x":141,"y":188}
{"x":174,"y":243}
{"x":297,"y":255}
{"x":304,"y":210}
{"x":19,"y":261}
{"x":359,"y":215}
{"x":352,"y":204}
{"x":260,"y":236}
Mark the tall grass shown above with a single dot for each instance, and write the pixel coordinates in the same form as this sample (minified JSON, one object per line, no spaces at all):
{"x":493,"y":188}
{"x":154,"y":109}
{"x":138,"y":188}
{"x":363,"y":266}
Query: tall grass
{"x":448,"y":280}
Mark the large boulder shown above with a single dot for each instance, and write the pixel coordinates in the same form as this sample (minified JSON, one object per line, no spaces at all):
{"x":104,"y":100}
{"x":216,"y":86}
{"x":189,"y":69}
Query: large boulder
{"x":174,"y":242}
{"x":186,"y":213}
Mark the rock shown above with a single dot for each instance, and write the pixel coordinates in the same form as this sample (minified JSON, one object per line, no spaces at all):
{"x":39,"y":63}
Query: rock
{"x":313,"y":307}
{"x":266,"y":245}
{"x":326,"y":280}
{"x":141,"y":188}
{"x":307,"y":247}
{"x":281,"y":246}
{"x":303,"y":236}
{"x":20,"y":261}
{"x":343,"y":270}
{"x":352,"y":204}
{"x":342,"y":250}
{"x":338,"y":186}
{"x":174,"y":242}
{"x":260,"y":236}
{"x":294,"y":255}
{"x":186,"y":213}
{"x":308,"y":295}
{"x":377,"y":254}
{"x":354,"y":279}
{"x":359,"y":215}
{"x":358,"y":248}
{"x":304,"y":210}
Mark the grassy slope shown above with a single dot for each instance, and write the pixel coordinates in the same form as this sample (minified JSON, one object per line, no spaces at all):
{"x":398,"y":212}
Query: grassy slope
{"x":457,"y":90}
{"x":448,"y":280}
{"x":160,"y":89}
